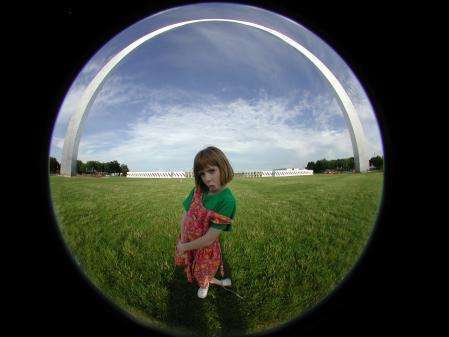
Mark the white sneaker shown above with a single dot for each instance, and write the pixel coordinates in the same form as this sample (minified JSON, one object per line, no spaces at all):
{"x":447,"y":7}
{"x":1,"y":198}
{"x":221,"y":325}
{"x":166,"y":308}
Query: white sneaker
{"x":226,"y":282}
{"x":202,"y":292}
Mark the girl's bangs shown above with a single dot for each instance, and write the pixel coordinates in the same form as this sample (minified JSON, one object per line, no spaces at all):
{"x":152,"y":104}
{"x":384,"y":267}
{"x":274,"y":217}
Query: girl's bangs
{"x":202,"y":161}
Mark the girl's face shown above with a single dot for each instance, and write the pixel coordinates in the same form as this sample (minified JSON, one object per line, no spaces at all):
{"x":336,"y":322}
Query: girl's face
{"x":210,"y":176}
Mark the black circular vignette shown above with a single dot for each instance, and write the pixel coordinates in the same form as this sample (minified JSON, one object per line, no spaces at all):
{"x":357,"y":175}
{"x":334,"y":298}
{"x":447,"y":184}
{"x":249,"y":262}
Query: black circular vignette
{"x":369,"y":300}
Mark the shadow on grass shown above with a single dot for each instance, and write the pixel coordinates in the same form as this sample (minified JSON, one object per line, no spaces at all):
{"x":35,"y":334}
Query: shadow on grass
{"x":219,"y":314}
{"x":229,"y":308}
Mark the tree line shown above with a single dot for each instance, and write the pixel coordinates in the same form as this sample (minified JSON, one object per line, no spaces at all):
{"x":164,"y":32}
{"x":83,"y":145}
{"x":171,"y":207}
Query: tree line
{"x":342,"y":165}
{"x":114,"y":167}
{"x":92,"y":167}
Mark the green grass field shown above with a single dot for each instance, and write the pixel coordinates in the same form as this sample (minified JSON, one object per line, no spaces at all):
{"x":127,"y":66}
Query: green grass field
{"x":294,"y":240}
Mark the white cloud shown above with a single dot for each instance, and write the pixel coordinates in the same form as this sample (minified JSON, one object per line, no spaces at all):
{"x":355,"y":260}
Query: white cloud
{"x":254,"y":133}
{"x":69,"y":105}
{"x":259,"y":133}
{"x":76,"y":91}
{"x":93,"y":67}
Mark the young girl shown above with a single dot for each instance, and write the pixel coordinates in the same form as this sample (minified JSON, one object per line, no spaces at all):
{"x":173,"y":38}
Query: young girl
{"x":208,"y":210}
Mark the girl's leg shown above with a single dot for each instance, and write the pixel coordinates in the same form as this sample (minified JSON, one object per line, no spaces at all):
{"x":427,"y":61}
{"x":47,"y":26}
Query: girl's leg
{"x":224,"y":282}
{"x":202,"y":292}
{"x":215,"y":281}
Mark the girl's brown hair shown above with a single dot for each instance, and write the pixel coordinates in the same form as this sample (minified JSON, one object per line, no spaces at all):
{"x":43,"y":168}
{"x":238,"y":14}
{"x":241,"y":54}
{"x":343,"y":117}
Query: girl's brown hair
{"x":214,"y":157}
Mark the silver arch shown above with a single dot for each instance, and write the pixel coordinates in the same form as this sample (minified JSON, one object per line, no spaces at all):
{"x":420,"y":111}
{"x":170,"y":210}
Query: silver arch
{"x":74,"y":129}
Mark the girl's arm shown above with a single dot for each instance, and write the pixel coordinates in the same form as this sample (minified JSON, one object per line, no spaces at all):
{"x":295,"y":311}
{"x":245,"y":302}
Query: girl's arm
{"x":184,"y":215}
{"x":183,"y":219}
{"x":204,"y":241}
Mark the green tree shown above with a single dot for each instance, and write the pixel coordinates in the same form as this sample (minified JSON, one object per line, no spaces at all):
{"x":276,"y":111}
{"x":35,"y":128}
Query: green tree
{"x":321,"y":165}
{"x":94,"y":166}
{"x":80,"y":167}
{"x":310,"y":166}
{"x":106,"y":167}
{"x":377,"y":162}
{"x":339,"y":164}
{"x":124,"y":169}
{"x":115,"y":167}
{"x":100,"y":166}
{"x":91,"y":167}
{"x":349,"y":164}
{"x":55,"y":167}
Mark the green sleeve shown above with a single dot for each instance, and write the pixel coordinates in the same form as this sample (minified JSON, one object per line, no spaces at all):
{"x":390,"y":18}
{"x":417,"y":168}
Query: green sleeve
{"x":226,"y":208}
{"x":188,"y":200}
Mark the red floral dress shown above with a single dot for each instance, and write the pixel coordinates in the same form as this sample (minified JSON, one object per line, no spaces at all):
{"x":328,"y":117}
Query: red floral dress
{"x":201,"y":264}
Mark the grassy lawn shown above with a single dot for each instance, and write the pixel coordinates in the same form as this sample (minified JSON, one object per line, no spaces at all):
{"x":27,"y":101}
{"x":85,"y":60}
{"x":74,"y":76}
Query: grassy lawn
{"x":293,"y":240}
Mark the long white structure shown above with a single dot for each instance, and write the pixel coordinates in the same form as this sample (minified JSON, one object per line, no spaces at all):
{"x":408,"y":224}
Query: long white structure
{"x":249,"y":174}
{"x":157,"y":174}
{"x":256,"y":173}
{"x":276,"y":173}
{"x":74,"y":129}
{"x":292,"y":172}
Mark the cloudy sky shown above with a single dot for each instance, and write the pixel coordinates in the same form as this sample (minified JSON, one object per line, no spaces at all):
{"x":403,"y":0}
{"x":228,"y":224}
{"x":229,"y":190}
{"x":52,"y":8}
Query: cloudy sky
{"x":216,"y":83}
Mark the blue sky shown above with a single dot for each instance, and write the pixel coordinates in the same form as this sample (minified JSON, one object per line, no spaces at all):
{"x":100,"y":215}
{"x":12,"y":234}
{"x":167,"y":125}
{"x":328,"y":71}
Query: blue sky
{"x":216,"y":83}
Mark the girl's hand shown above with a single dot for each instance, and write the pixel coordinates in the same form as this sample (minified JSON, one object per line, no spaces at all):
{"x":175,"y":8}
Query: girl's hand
{"x":180,"y":248}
